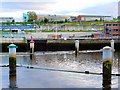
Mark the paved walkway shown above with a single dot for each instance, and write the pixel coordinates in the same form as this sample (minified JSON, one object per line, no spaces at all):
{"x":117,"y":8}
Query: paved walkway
{"x":47,"y":35}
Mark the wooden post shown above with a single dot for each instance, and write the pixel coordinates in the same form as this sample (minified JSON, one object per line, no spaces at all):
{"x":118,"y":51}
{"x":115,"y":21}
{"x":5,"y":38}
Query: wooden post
{"x":107,"y":67}
{"x":12,"y":65}
{"x":76,"y":47}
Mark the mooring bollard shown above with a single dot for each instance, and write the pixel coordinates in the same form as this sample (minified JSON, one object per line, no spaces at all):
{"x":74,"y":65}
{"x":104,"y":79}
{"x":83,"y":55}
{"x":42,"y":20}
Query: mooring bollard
{"x":112,"y":44}
{"x":12,"y":65}
{"x":107,"y":66}
{"x":12,"y":58}
{"x":118,"y":54}
{"x":76,"y":47}
{"x":12,"y":80}
{"x":32,"y":47}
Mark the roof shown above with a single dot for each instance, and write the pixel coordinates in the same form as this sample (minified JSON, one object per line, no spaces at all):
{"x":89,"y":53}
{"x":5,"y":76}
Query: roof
{"x":93,"y":16}
{"x":6,"y":17}
{"x":40,"y":16}
{"x":111,"y":22}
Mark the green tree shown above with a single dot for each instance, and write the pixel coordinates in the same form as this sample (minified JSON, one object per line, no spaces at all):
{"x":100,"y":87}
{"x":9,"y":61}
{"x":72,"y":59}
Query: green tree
{"x":46,"y":20}
{"x":13,"y":21}
{"x":101,"y":19}
{"x":31,"y":16}
{"x":66,"y":20}
{"x":8,"y":22}
{"x":96,"y":20}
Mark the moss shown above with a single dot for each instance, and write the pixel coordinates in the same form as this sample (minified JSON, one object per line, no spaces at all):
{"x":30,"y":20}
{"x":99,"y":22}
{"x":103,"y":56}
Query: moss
{"x":12,"y":60}
{"x":12,"y":66}
{"x":107,"y":65}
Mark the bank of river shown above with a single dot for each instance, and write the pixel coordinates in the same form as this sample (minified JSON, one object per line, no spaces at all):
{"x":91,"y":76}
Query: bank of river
{"x":63,"y":45}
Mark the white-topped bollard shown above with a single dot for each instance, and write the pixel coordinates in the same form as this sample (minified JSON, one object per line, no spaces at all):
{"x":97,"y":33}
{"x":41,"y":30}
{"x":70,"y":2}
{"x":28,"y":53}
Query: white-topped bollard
{"x":12,"y":58}
{"x":76,"y":47}
{"x":112,"y":43}
{"x":107,"y":66}
{"x":12,"y":80}
{"x":12,"y":65}
{"x":32,"y":47}
{"x":112,"y":46}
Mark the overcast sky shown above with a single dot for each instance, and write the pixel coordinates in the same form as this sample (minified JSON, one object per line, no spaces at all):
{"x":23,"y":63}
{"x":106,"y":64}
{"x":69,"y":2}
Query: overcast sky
{"x":15,"y":8}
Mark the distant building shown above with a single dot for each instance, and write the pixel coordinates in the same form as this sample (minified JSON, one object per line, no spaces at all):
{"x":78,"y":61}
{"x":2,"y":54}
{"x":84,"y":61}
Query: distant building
{"x":92,"y":17}
{"x":56,"y":18}
{"x":89,"y":18}
{"x":6,"y":19}
{"x":17,"y":26}
{"x":72,"y":18}
{"x":118,"y":17}
{"x":25,"y":17}
{"x":52,"y":17}
{"x":97,"y":35}
{"x":111,"y":29}
{"x":40,"y":18}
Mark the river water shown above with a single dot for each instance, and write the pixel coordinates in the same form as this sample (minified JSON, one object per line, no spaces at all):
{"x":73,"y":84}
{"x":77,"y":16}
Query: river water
{"x":45,"y":74}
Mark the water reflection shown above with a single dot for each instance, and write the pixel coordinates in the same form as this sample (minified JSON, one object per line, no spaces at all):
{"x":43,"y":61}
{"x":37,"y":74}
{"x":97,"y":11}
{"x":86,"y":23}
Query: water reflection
{"x":33,"y":59}
{"x":67,"y":61}
{"x":118,"y":54}
{"x":85,"y":61}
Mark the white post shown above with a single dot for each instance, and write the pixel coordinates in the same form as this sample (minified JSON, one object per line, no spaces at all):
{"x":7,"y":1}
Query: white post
{"x":112,"y":44}
{"x":76,"y":47}
{"x":48,"y":26}
{"x":32,"y":47}
{"x":56,"y":30}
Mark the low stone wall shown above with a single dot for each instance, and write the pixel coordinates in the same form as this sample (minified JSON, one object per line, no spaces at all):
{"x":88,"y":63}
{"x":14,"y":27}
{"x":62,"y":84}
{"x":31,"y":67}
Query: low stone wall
{"x":14,"y":40}
{"x":62,"y":45}
{"x":83,"y":41}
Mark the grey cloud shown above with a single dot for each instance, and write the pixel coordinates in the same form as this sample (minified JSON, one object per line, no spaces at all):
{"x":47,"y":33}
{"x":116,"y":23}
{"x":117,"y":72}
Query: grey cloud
{"x":103,"y":9}
{"x":13,"y":6}
{"x":119,"y":8}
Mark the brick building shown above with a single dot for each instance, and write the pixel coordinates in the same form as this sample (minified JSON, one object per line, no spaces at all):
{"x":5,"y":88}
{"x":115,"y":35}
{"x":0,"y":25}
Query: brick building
{"x":112,"y":29}
{"x":6,"y":19}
